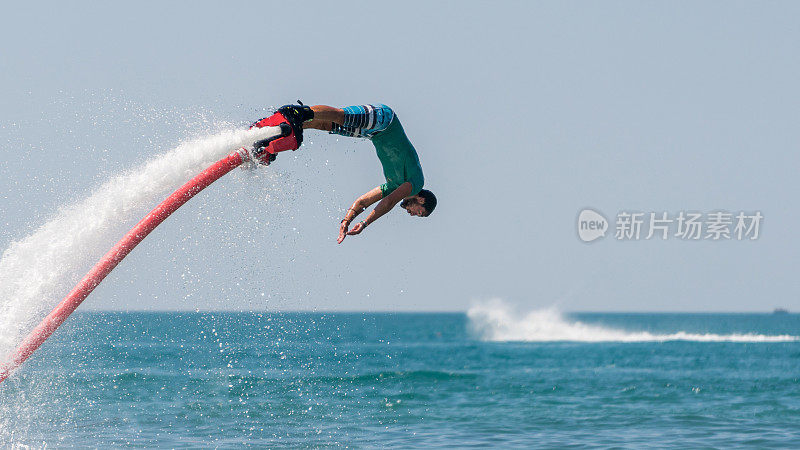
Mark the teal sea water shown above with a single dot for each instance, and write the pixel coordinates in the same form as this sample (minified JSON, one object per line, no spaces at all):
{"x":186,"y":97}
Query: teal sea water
{"x":371,"y":379}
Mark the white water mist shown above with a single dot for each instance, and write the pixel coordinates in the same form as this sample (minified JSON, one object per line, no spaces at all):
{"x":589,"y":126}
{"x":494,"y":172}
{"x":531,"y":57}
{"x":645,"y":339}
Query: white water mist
{"x":36,"y":271}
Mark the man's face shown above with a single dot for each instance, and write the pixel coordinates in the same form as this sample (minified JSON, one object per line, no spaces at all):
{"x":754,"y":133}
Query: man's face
{"x":414,"y":206}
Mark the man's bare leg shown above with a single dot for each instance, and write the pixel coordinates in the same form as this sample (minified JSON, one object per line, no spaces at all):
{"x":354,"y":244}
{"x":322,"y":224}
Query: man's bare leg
{"x":324,"y":116}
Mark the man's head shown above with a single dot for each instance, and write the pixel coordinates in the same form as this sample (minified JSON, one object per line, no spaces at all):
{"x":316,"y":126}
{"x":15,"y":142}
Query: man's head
{"x":421,"y":205}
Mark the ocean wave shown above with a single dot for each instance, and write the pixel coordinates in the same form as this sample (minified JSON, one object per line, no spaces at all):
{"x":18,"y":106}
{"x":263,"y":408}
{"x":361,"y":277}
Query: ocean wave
{"x":496,"y":321}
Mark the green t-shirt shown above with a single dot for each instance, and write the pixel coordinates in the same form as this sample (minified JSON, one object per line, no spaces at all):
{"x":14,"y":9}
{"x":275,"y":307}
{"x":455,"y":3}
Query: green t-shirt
{"x":398,"y":158}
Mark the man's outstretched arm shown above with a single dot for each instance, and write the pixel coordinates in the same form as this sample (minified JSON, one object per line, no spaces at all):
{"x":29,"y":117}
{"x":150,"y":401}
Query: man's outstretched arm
{"x":385,"y":205}
{"x":358,"y":207}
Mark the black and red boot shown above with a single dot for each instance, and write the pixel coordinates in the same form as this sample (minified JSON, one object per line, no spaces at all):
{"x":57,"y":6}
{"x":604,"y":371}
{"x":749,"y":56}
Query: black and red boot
{"x":290,"y":119}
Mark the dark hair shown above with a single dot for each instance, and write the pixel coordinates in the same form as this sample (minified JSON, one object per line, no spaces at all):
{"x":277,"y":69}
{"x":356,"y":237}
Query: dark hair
{"x":430,"y":201}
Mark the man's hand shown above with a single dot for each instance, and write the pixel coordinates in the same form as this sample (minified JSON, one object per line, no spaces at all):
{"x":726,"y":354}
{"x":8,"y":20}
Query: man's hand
{"x":342,"y":232}
{"x":358,"y":207}
{"x":358,"y":228}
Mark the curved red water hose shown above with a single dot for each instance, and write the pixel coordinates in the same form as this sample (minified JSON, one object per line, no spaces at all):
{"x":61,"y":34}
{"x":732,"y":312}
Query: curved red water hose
{"x":114,"y":256}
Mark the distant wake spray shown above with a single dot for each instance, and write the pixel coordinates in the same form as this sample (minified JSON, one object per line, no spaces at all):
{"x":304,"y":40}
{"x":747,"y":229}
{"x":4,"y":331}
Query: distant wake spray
{"x":38,"y":269}
{"x":496,"y":321}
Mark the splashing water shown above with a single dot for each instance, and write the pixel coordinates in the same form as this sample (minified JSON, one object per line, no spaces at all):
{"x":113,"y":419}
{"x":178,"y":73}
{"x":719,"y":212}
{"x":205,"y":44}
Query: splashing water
{"x":40,"y":268}
{"x":496,"y":321}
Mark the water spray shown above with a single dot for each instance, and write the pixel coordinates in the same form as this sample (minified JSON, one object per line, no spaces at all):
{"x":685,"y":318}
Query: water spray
{"x":269,"y":136}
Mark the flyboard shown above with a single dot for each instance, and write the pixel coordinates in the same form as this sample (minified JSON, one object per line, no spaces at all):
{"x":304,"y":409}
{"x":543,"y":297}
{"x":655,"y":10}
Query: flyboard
{"x":114,"y":256}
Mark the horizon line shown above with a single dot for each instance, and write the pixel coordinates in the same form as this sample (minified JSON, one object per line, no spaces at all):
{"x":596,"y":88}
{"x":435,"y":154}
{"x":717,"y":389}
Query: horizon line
{"x":354,"y":311}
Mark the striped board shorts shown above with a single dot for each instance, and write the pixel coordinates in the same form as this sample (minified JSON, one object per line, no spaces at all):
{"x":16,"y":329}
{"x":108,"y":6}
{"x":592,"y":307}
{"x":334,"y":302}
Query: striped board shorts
{"x":364,"y":120}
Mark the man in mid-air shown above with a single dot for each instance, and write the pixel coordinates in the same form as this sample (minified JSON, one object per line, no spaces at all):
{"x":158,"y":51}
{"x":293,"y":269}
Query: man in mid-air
{"x":379,"y":124}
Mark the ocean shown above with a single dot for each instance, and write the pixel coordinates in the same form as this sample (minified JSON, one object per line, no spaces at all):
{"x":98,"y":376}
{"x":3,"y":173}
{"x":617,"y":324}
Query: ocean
{"x":482,"y":378}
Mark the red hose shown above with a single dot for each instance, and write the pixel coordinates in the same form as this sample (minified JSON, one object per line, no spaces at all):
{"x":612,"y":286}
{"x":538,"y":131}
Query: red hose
{"x":114,"y":256}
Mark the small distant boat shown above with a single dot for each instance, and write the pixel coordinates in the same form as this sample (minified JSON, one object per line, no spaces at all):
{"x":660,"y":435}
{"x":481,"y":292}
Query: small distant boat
{"x":780,"y":311}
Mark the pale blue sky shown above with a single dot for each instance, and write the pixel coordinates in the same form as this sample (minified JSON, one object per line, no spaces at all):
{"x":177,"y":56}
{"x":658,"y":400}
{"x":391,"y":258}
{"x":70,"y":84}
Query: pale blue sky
{"x":523,"y":113}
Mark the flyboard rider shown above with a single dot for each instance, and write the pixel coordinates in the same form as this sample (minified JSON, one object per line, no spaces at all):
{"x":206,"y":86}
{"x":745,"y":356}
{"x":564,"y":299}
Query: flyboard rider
{"x":380,"y":125}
